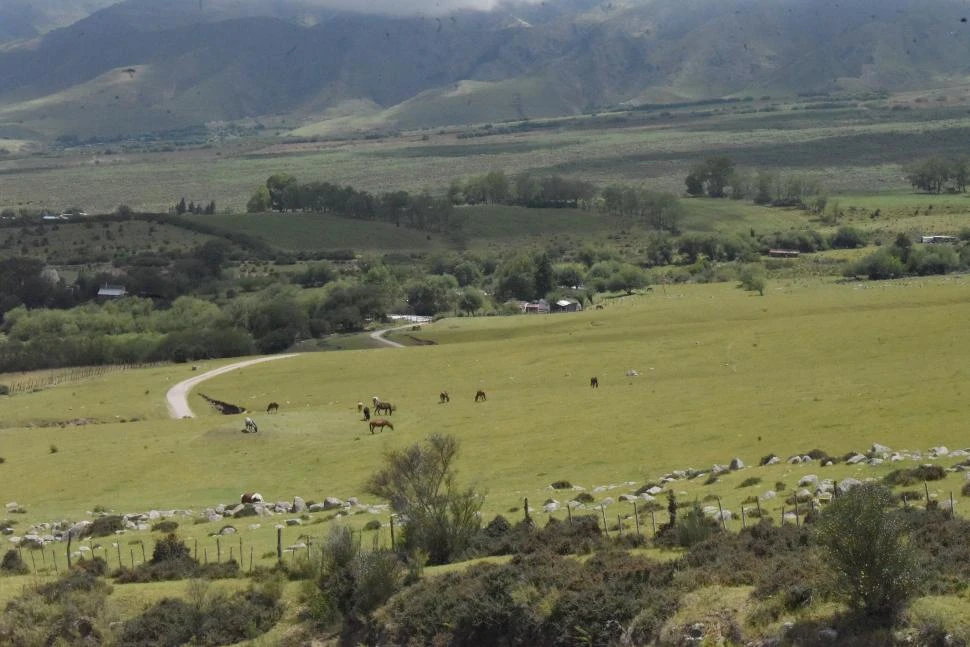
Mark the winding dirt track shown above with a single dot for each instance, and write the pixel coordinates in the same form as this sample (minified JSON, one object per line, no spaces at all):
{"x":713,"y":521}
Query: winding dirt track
{"x":178,"y":405}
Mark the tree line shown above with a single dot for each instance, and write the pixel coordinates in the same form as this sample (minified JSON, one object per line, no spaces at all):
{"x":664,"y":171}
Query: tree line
{"x":283,"y":192}
{"x":938,"y":174}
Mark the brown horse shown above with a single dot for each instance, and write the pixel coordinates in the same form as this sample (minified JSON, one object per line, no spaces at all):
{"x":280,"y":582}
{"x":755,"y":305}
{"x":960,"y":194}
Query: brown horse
{"x":273,"y":407}
{"x":384,"y":407}
{"x":380,"y":422}
{"x":594,"y":382}
{"x":443,"y":397}
{"x":480,"y":396}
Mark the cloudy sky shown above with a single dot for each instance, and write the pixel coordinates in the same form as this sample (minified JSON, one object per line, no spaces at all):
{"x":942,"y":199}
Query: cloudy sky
{"x":411,"y":6}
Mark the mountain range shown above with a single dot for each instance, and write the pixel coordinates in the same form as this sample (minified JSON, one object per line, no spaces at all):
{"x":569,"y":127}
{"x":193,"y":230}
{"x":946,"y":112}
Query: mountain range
{"x":145,"y":65}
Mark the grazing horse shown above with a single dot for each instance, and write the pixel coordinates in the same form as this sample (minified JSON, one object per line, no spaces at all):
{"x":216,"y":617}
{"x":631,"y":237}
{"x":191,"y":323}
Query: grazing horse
{"x":376,"y":400}
{"x":360,"y":407}
{"x":251,"y":427}
{"x":594,"y":382}
{"x":366,"y":413}
{"x":381,"y":423}
{"x":251,"y":497}
{"x":480,"y":396}
{"x":273,"y":407}
{"x":384,"y":407}
{"x":443,"y":397}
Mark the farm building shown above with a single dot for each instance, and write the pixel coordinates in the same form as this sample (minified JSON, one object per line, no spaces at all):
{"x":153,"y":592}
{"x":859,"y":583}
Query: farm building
{"x":112,"y":291}
{"x":567,"y":305}
{"x":939,"y":240}
{"x":540,"y":307}
{"x":783,"y":253}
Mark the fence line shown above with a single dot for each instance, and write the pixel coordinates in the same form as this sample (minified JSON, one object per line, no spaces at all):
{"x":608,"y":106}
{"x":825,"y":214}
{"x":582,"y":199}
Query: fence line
{"x":28,"y":382}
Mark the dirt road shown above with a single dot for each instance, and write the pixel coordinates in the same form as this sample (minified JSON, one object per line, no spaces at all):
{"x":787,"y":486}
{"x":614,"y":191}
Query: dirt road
{"x":178,"y":405}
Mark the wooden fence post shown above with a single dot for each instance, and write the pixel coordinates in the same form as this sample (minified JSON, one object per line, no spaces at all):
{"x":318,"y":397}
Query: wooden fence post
{"x":653,"y":523}
{"x":743,"y":523}
{"x":279,"y":543}
{"x":636,"y":518}
{"x":393,"y":542}
{"x":606,"y":529}
{"x":218,"y":551}
{"x":69,"y":550}
{"x":118,"y":546}
{"x":720,"y":512}
{"x":54,"y":559}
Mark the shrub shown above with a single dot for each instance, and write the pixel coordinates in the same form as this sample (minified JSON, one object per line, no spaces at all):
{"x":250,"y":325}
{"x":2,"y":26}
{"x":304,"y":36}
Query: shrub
{"x":965,"y":490}
{"x":584,"y":497}
{"x":53,"y":449}
{"x":373,"y":524}
{"x":562,"y":485}
{"x":766,"y":459}
{"x":750,"y":481}
{"x":907,"y":477}
{"x":4,"y":389}
{"x":167,"y":526}
{"x":780,"y":486}
{"x":12,"y":564}
{"x":865,"y":548}
{"x":105,"y":526}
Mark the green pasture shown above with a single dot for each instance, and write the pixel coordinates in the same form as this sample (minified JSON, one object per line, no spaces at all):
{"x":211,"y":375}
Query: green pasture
{"x":722,"y":373}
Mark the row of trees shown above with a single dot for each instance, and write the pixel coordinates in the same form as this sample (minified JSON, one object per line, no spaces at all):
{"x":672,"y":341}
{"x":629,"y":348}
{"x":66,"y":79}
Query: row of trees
{"x":181,"y":208}
{"x":903,"y":258}
{"x":526,"y":190}
{"x":936,"y":174}
{"x":283,"y":192}
{"x":718,"y":177}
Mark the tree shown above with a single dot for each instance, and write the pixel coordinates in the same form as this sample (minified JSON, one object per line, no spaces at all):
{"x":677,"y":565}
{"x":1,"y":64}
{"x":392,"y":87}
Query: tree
{"x":719,"y":171}
{"x":276,"y":185}
{"x":864,"y":544}
{"x":471,"y":301}
{"x":627,"y":279}
{"x":516,"y":279}
{"x":695,"y":181}
{"x":419,"y":482}
{"x":752,"y":276}
{"x":259,"y":202}
{"x":544,"y":279}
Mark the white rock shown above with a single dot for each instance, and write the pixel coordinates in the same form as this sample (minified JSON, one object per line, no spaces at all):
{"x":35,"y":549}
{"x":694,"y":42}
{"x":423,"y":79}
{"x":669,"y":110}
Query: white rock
{"x":293,"y":522}
{"x":648,"y":498}
{"x":879,"y":449}
{"x":736,"y":464}
{"x":655,"y":490}
{"x":769,"y":495}
{"x":774,"y":460}
{"x":855,"y":459}
{"x":847,"y":484}
{"x":795,"y":460}
{"x":875,"y":461}
{"x":808,"y":479}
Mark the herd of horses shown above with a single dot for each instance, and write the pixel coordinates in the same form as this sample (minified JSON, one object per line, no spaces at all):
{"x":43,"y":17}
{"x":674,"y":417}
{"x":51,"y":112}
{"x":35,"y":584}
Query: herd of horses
{"x":382,"y":407}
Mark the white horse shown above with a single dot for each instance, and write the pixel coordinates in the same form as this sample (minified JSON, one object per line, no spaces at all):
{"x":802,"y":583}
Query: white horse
{"x":376,"y":400}
{"x":251,"y":427}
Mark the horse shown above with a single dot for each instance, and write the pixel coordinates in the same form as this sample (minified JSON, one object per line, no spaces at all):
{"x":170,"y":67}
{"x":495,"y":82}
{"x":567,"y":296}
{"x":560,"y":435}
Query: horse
{"x":384,"y":407}
{"x":360,"y":407}
{"x":251,"y":497}
{"x":273,"y":407}
{"x":443,"y":397}
{"x":376,"y":400}
{"x":480,"y":396}
{"x":251,"y":427}
{"x":366,"y":413}
{"x":594,"y":382}
{"x":380,"y":422}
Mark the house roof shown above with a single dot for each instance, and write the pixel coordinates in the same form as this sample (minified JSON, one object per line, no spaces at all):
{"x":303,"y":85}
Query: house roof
{"x":112,"y":291}
{"x":562,"y":303}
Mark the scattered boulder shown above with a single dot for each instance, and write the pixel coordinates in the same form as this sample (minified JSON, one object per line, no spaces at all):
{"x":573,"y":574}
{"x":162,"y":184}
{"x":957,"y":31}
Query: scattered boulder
{"x":551,"y":506}
{"x":718,"y":469}
{"x":855,"y":459}
{"x":847,"y":484}
{"x":736,"y":464}
{"x":331,"y":503}
{"x":939,"y":451}
{"x":769,"y":495}
{"x":293,"y":522}
{"x":317,"y":507}
{"x":299,"y":505}
{"x":655,"y":490}
{"x":879,"y":450}
{"x":875,"y":461}
{"x":808,"y":480}
{"x":227,"y":530}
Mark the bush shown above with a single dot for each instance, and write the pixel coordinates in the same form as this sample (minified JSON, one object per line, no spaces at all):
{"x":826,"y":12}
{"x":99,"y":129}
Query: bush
{"x":167,"y":526}
{"x":584,"y":497}
{"x":907,"y":477}
{"x":12,"y":564}
{"x":4,"y":389}
{"x":105,"y":526}
{"x":561,"y":485}
{"x":750,"y":481}
{"x":848,"y":238}
{"x":864,"y":546}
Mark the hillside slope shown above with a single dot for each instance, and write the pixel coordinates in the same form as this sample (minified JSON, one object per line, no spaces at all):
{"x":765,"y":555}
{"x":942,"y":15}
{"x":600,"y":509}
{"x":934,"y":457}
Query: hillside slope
{"x":187,"y":66}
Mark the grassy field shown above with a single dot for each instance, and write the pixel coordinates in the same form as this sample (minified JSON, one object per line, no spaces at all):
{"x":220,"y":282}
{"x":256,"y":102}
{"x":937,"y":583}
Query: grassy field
{"x":61,"y":242}
{"x":858,"y":150}
{"x":722,"y":373}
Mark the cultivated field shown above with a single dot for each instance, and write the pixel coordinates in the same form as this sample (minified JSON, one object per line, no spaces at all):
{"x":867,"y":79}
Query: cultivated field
{"x":722,"y":374}
{"x":861,"y":149}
